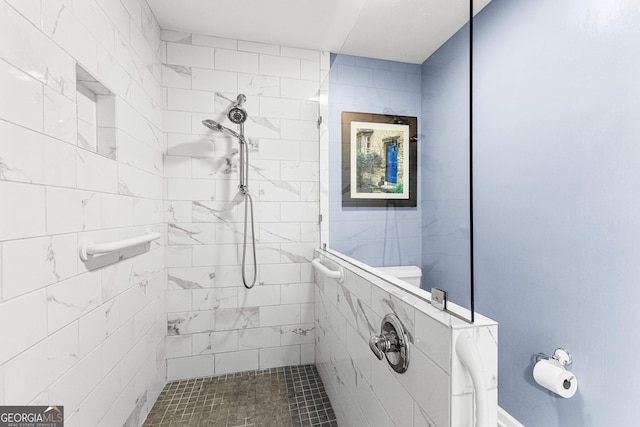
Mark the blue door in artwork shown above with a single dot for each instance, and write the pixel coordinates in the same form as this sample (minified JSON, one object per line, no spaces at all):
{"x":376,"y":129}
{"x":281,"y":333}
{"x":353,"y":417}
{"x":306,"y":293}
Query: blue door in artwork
{"x":392,"y":164}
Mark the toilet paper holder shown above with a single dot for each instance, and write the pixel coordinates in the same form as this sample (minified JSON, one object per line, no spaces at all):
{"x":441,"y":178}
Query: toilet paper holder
{"x":560,"y":355}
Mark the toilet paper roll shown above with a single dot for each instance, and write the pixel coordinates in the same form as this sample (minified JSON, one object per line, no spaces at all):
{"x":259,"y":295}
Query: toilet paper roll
{"x":551,"y":375}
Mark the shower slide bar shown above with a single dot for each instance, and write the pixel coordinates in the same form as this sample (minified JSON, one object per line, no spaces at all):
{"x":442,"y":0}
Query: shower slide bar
{"x":338,"y":275}
{"x":88,"y":248}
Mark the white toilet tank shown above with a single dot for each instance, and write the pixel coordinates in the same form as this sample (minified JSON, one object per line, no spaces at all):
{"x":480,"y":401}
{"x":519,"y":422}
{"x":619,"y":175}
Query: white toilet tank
{"x":411,"y":274}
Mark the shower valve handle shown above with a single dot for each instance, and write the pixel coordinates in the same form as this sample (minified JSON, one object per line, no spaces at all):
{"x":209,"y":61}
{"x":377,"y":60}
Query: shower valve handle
{"x":384,"y":343}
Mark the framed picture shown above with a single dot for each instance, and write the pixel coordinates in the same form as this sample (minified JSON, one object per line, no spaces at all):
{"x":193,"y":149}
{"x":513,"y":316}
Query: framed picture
{"x":379,"y":160}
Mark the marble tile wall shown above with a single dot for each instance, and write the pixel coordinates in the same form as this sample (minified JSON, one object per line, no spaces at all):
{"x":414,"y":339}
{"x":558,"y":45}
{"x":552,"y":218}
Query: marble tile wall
{"x":89,"y":336}
{"x":436,"y":390}
{"x":214,"y":325}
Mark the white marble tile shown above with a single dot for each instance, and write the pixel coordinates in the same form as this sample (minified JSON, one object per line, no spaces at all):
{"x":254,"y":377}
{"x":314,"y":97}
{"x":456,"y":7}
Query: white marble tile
{"x":191,"y":234}
{"x":280,"y":108}
{"x":71,"y":298}
{"x":177,"y":167}
{"x":72,"y":210}
{"x":286,"y":314}
{"x":136,"y":182}
{"x":190,"y":322}
{"x":116,"y":211}
{"x":307,"y":313}
{"x":59,"y":116}
{"x":239,"y":361}
{"x":62,"y":26}
{"x":178,"y":301}
{"x":300,"y":171}
{"x":213,"y":299}
{"x":190,"y":100}
{"x":279,"y":356}
{"x":280,"y":273}
{"x":189,"y":55}
{"x":178,"y":256}
{"x":300,"y":89}
{"x":215,"y":255}
{"x":44,"y":60}
{"x":260,"y":85}
{"x":215,"y":342}
{"x":178,"y":211}
{"x":433,"y":339}
{"x":30,"y":312}
{"x":280,"y":66}
{"x":139,"y":155}
{"x":211,"y":41}
{"x":228,"y":275}
{"x":190,"y":189}
{"x":22,"y":98}
{"x":116,"y":345}
{"x":212,"y":211}
{"x":231,"y":60}
{"x":297,"y":334}
{"x":22,"y":154}
{"x":299,"y":130}
{"x":191,"y":367}
{"x":93,"y":408}
{"x":259,"y":296}
{"x":60,"y":163}
{"x":26,"y":216}
{"x":191,"y":277}
{"x":78,"y":382}
{"x":259,"y":338}
{"x":176,"y":76}
{"x":178,"y":346}
{"x":96,"y":172}
{"x":30,"y":373}
{"x":309,"y":70}
{"x":237,"y":318}
{"x":398,"y":402}
{"x":214,"y":80}
{"x":279,"y":232}
{"x":30,"y":9}
{"x":57,"y":256}
{"x":297,"y":293}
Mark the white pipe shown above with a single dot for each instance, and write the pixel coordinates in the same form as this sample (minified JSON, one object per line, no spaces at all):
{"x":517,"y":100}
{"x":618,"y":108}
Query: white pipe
{"x":88,"y":248}
{"x":469,"y":355}
{"x":338,"y":275}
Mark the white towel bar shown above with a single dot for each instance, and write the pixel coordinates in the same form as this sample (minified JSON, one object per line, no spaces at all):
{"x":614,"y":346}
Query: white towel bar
{"x":338,"y":275}
{"x":88,"y":248}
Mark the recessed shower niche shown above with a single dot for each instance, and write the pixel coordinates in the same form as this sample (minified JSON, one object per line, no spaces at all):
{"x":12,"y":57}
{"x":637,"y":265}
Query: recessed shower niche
{"x":96,"y":109}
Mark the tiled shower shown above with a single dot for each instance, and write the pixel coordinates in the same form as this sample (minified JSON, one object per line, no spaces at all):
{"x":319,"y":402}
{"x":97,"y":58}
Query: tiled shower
{"x":103,"y":337}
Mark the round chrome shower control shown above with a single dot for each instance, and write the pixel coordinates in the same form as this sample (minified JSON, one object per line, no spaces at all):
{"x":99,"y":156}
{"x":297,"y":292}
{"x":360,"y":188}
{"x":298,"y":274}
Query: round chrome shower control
{"x":391,"y":343}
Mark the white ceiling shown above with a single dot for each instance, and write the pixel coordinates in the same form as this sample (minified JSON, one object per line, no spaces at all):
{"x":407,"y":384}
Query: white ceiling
{"x":397,"y":30}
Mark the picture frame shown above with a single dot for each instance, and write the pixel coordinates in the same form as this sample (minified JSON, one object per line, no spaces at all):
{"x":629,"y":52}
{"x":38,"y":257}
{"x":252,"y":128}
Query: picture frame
{"x":379,"y":160}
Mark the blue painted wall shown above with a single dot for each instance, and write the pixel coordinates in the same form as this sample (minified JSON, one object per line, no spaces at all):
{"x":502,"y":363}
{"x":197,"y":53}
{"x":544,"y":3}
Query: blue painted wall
{"x":376,"y":236}
{"x":557,"y":209}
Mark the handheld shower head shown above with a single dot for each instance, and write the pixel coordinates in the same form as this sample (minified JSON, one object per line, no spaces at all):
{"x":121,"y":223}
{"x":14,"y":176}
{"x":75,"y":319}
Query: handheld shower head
{"x":215,"y":126}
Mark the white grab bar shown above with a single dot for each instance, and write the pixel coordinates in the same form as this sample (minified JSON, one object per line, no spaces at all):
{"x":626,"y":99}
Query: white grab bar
{"x":338,"y":275}
{"x":469,"y":355}
{"x":88,"y":248}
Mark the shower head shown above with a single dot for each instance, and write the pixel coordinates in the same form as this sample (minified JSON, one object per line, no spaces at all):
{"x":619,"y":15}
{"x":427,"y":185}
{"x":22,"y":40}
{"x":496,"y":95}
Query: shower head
{"x":215,"y":126}
{"x":237,"y":114}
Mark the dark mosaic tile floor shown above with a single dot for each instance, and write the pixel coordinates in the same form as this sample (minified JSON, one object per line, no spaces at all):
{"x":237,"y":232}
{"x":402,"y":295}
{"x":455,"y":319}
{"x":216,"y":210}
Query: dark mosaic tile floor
{"x":292,"y":396}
